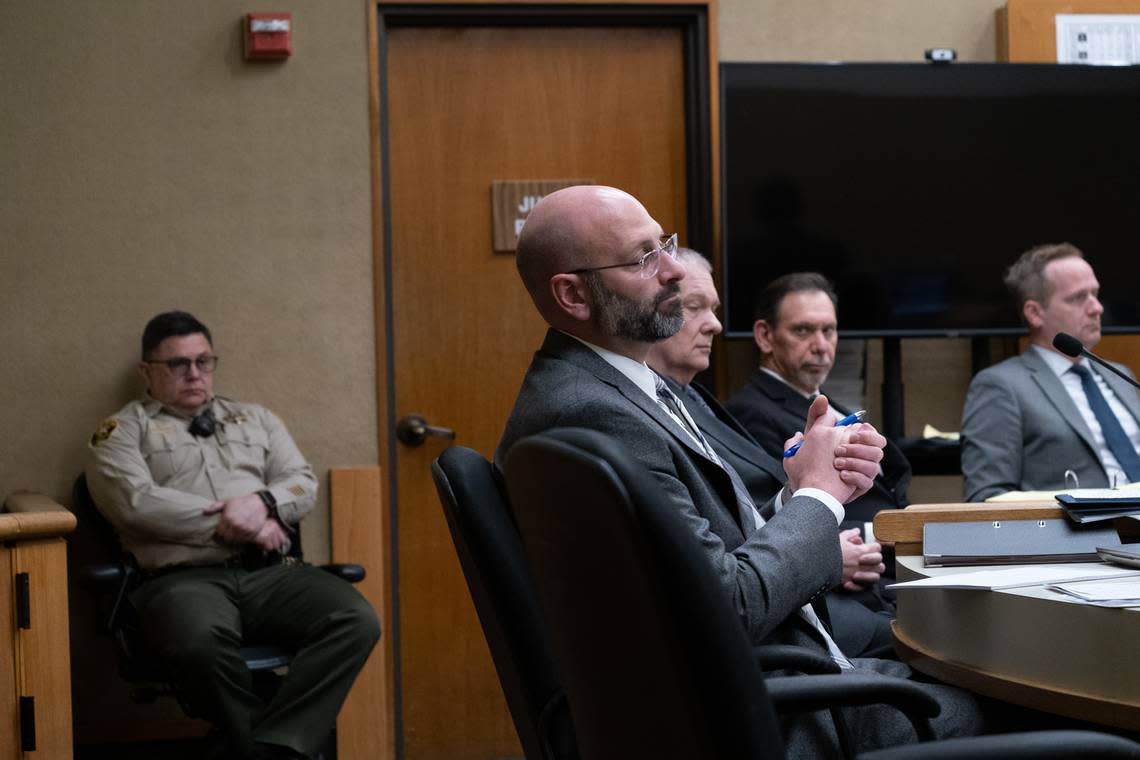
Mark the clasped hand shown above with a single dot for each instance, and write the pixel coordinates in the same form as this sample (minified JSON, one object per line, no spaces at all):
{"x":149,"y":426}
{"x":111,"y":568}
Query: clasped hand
{"x":843,"y":461}
{"x":862,"y":563}
{"x":245,"y":519}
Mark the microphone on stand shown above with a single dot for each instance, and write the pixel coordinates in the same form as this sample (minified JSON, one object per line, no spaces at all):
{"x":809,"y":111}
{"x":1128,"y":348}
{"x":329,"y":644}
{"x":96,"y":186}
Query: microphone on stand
{"x":1070,"y":346}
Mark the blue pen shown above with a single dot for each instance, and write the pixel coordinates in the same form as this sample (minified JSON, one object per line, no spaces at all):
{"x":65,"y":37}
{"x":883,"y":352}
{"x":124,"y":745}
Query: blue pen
{"x":850,"y":419}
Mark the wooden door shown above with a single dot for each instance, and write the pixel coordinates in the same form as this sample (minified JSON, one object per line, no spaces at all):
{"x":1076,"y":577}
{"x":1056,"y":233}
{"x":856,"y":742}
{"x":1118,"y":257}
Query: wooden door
{"x":463,"y":107}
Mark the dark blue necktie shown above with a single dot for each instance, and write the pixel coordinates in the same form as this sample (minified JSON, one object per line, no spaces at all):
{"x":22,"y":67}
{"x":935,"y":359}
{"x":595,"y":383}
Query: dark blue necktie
{"x":1114,"y":435}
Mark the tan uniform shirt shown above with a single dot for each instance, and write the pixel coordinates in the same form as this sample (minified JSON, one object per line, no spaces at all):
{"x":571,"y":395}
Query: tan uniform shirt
{"x":152,"y":479}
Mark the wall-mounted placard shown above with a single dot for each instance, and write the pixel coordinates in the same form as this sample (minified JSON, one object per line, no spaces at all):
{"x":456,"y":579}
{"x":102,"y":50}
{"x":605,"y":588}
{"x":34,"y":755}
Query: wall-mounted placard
{"x":511,"y":202}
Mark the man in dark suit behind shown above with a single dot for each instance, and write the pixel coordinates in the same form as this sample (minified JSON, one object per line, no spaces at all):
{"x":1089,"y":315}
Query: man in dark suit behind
{"x":603,"y":276}
{"x":860,"y":617}
{"x":796,"y":331}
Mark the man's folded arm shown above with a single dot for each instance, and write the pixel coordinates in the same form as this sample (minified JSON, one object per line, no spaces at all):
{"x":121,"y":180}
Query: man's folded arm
{"x":123,"y":489}
{"x":776,"y":571}
{"x":288,"y":475}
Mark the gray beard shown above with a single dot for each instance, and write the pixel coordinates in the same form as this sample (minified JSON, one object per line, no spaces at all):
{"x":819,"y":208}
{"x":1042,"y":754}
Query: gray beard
{"x":622,"y":317}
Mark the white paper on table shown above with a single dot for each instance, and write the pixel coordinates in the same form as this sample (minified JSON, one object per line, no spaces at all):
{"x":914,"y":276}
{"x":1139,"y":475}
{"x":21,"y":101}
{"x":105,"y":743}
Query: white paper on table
{"x":1118,"y":593}
{"x":1018,"y":577}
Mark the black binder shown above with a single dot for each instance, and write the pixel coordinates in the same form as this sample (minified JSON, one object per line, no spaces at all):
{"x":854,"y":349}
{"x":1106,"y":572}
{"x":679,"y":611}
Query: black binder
{"x":1083,"y":509}
{"x":1012,"y":542}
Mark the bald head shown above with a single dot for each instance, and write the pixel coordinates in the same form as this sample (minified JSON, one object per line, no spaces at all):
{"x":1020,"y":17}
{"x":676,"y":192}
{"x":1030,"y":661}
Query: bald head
{"x":580,"y":257}
{"x":567,"y":230}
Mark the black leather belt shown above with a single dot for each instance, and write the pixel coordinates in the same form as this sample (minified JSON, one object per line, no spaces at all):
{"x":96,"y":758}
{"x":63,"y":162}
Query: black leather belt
{"x":244,"y":561}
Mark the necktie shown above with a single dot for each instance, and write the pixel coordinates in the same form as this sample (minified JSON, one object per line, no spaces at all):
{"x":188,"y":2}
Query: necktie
{"x":1114,"y":434}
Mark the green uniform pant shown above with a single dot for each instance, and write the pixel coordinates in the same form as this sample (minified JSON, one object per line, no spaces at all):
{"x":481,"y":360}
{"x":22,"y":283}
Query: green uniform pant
{"x":197,"y":619}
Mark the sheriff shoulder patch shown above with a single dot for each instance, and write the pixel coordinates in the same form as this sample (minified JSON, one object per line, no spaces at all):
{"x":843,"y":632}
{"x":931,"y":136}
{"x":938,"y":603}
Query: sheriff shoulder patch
{"x":296,"y":490}
{"x":106,"y":429}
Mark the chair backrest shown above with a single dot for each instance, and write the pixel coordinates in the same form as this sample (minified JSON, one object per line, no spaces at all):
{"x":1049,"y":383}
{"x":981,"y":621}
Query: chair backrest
{"x":656,"y":662}
{"x":490,"y":552}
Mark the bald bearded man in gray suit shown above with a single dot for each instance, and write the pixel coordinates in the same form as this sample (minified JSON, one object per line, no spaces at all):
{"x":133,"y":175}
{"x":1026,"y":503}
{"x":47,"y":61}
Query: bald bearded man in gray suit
{"x":603,"y":275}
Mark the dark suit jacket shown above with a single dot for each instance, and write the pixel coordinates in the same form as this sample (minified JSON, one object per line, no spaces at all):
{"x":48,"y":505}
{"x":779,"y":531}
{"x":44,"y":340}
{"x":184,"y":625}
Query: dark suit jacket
{"x":1021,"y":430}
{"x":768,"y":573}
{"x":773,"y":412}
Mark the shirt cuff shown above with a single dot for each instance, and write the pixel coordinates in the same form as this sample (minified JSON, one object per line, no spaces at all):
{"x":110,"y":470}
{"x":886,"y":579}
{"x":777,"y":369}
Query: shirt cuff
{"x":830,"y":501}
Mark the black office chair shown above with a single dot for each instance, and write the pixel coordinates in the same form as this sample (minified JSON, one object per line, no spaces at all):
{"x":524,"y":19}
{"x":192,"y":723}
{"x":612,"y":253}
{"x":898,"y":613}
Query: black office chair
{"x":494,"y":565}
{"x":115,"y":574}
{"x":491,"y":555}
{"x":656,"y":661}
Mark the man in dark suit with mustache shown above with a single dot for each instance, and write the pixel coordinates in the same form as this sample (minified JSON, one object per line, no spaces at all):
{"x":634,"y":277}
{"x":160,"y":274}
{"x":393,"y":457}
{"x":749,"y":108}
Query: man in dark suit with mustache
{"x":796,"y":331}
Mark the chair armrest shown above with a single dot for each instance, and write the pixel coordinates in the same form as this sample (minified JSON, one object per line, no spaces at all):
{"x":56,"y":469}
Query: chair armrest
{"x":30,"y":501}
{"x":810,"y":693}
{"x":772,"y":657}
{"x":102,"y":578}
{"x":1033,"y":745}
{"x":347,"y":572}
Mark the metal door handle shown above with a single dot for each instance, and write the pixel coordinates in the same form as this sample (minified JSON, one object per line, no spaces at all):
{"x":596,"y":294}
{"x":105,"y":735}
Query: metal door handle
{"x":412,"y":429}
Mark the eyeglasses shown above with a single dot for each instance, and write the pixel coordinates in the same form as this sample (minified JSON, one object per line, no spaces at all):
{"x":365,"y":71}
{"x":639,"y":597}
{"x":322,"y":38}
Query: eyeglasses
{"x":180,"y":367}
{"x":648,"y":265}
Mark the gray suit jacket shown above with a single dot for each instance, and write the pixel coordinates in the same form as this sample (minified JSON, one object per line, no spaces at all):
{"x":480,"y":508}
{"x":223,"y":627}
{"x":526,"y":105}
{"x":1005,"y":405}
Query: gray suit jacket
{"x":1021,"y":430}
{"x":769,"y":573}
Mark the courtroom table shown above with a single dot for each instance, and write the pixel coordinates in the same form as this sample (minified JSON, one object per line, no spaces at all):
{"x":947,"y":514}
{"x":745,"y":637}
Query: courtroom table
{"x":1028,"y":646}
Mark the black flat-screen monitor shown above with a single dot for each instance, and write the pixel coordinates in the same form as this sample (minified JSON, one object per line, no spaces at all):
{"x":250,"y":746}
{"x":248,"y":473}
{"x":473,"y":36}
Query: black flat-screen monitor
{"x":915,"y":186}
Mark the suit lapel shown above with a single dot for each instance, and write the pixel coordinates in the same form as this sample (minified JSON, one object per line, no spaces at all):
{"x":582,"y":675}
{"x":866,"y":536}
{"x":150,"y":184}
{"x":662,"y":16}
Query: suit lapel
{"x":794,"y":405}
{"x":576,"y":352}
{"x":1056,"y":394}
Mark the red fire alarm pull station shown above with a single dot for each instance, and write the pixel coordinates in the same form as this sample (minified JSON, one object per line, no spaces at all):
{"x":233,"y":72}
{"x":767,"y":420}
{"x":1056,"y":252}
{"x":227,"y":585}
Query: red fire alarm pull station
{"x":268,"y":36}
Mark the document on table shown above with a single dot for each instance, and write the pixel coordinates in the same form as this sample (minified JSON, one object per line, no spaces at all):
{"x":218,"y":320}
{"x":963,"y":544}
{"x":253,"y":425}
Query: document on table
{"x":1124,"y":592}
{"x":1019,"y":577}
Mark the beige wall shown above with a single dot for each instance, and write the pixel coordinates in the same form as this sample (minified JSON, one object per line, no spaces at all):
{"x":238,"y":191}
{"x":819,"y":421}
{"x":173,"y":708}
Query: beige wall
{"x":855,"y":30}
{"x":145,"y":166}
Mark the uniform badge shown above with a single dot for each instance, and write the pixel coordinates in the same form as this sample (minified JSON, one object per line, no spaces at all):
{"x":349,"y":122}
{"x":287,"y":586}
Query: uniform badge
{"x":235,"y":418}
{"x":104,"y":432}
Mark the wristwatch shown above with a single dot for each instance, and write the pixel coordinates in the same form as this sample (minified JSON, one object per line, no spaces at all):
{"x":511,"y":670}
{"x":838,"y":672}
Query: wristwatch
{"x":270,"y":504}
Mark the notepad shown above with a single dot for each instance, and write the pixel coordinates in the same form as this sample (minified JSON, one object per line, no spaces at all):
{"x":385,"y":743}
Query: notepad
{"x":1012,"y":542}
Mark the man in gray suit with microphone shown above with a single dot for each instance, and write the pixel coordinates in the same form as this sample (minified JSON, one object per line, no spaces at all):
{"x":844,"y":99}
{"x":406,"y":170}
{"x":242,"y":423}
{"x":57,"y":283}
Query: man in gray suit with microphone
{"x":1031,"y":418}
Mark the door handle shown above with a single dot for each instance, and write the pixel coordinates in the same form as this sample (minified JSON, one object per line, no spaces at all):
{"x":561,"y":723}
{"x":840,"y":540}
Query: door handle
{"x":412,"y":429}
